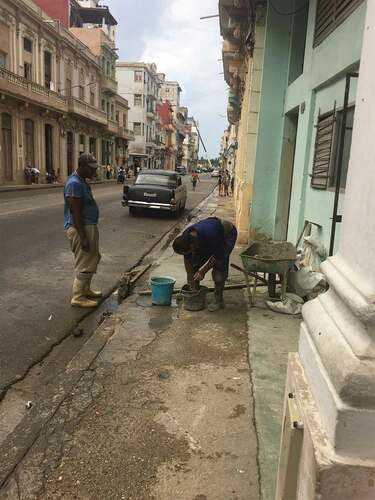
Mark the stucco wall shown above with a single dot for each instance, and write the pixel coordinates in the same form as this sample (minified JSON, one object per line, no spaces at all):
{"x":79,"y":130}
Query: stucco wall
{"x":271,"y":120}
{"x":321,"y":85}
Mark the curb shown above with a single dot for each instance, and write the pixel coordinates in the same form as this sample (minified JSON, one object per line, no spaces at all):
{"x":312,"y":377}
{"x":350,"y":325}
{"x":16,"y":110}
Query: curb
{"x":41,"y":187}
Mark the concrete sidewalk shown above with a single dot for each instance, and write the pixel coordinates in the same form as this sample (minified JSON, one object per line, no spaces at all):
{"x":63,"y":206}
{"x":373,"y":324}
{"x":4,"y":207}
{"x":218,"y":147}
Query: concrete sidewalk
{"x":175,"y":406}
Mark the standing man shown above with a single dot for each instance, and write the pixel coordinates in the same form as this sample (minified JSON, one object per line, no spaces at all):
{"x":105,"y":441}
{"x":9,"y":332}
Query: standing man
{"x":207,"y":245}
{"x":81,"y":215}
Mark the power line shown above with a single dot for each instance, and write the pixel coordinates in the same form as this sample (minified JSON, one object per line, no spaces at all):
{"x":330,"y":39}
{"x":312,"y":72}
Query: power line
{"x":300,"y":9}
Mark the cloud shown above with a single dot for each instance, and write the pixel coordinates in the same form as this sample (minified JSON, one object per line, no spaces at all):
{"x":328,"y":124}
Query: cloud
{"x":187,"y":49}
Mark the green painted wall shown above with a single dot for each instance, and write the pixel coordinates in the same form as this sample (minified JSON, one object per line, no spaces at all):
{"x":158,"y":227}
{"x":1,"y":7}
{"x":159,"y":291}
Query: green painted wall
{"x":271,"y":119}
{"x":322,"y":83}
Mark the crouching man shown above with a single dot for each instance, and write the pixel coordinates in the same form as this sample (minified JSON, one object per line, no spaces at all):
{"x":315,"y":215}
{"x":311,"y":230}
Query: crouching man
{"x":81,"y":215}
{"x":207,"y":245}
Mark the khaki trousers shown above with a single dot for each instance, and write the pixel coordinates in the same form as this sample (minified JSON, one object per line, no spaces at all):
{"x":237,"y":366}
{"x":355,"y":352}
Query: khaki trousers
{"x":85,"y":263}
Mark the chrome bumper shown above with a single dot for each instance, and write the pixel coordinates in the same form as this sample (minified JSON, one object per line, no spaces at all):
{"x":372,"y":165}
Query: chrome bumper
{"x":146,"y":204}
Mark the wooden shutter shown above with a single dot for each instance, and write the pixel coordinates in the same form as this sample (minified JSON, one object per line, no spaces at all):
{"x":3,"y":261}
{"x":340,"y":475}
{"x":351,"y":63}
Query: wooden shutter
{"x":330,"y":14}
{"x":323,"y":150}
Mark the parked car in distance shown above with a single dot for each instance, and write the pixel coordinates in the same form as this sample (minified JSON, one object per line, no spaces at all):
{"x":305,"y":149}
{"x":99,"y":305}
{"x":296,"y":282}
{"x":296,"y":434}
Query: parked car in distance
{"x":215,"y":173}
{"x":156,"y":190}
{"x":181,"y":170}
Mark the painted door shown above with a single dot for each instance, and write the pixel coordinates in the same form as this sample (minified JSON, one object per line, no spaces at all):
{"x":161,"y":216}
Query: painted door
{"x":286,"y":175}
{"x":69,"y":152}
{"x":48,"y":148}
{"x":29,"y":143}
{"x":7,"y":149}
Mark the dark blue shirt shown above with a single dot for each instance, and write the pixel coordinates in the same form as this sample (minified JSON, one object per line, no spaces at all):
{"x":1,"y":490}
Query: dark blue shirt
{"x":211,"y":237}
{"x":75,"y":187}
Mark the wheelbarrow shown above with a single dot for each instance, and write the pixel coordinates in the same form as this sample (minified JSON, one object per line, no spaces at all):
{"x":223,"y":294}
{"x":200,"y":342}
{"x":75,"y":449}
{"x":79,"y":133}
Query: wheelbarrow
{"x":269,"y":257}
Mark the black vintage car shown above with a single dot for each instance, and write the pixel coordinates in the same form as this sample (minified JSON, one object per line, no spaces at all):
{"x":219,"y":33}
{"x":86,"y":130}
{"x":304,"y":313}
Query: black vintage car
{"x":156,"y":190}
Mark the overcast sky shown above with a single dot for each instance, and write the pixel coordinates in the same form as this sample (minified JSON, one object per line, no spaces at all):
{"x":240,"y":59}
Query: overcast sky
{"x":186,"y":49}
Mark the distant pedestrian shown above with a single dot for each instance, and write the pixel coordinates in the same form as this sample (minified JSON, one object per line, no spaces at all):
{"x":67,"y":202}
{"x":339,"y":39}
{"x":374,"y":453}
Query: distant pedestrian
{"x":220,"y":183}
{"x":232,"y":185}
{"x":81,"y":215}
{"x":226,"y":183}
{"x":194,"y":179}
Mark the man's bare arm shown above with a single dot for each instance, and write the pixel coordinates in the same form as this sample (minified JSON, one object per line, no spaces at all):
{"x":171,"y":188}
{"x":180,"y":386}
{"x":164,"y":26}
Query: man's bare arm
{"x":75,"y":205}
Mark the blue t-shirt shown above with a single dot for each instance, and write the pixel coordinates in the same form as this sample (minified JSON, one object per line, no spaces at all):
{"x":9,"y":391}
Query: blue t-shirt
{"x":75,"y":187}
{"x":211,"y":237}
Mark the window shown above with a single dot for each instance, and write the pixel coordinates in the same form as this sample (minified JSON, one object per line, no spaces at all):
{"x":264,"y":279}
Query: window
{"x":68,"y":87}
{"x":346,"y":149}
{"x":143,"y":129}
{"x":298,"y":40}
{"x":327,"y":146}
{"x":28,"y":71}
{"x":330,"y":14}
{"x":81,"y":93}
{"x":138,"y":76}
{"x":137,"y":128}
{"x":92,"y":97}
{"x":118,"y":116}
{"x":27,"y":45}
{"x":103,"y":105}
{"x":323,"y":150}
{"x":3,"y":59}
{"x":108,"y":72}
{"x":47,"y":69}
{"x":137,"y":99}
{"x":112,"y":112}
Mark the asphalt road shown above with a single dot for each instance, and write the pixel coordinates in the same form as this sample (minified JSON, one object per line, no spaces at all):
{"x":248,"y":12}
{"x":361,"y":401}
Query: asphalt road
{"x":36,"y":267}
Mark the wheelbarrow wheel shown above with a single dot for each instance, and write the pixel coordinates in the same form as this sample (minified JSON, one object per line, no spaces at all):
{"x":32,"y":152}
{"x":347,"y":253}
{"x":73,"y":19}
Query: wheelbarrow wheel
{"x":272,"y":285}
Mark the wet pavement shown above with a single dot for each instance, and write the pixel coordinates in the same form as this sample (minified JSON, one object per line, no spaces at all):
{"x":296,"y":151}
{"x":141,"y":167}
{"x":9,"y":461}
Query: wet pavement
{"x":36,"y":268}
{"x":161,"y":403}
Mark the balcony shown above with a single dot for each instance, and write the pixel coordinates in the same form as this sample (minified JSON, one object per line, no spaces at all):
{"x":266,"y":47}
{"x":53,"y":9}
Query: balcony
{"x":109,"y":85}
{"x":19,"y":87}
{"x":117,"y":130}
{"x":129,"y":134}
{"x":85,"y":110}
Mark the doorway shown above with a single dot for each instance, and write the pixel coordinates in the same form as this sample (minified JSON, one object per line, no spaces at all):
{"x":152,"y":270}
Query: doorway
{"x":48,"y":148}
{"x":7,"y":149}
{"x":286,"y":174}
{"x":69,"y":152}
{"x":29,"y":143}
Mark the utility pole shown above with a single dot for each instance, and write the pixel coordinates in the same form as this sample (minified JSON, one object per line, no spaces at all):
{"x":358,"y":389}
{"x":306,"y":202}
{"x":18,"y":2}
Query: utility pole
{"x":204,"y":147}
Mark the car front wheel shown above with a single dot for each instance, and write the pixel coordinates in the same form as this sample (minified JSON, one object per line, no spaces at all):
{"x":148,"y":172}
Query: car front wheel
{"x":133,"y":211}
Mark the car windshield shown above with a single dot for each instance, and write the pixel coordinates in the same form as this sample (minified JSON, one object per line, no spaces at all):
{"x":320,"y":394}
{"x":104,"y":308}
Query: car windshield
{"x":158,"y":180}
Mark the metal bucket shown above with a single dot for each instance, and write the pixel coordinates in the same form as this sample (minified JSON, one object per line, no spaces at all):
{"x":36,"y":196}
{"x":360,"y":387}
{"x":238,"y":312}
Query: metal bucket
{"x":194,"y":300}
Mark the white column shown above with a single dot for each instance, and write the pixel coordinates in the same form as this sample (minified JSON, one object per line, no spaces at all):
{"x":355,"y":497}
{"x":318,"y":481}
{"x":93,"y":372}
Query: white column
{"x":333,"y":380}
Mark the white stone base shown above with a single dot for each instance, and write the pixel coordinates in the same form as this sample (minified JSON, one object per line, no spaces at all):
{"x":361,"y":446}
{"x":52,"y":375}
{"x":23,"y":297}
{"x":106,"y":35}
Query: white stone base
{"x":320,"y":474}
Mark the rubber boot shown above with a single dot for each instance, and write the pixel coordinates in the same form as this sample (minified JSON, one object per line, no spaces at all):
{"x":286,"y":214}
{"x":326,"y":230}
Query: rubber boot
{"x":79,"y":298}
{"x":218,"y":302}
{"x":92,"y":294}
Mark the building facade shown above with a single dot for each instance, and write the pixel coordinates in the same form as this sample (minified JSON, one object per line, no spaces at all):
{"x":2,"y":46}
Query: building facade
{"x":51,"y":93}
{"x":140,"y":84}
{"x":286,"y":99}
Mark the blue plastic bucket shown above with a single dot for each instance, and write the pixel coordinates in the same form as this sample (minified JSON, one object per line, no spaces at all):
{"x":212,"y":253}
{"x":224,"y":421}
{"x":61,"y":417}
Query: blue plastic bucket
{"x":162,"y":291}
